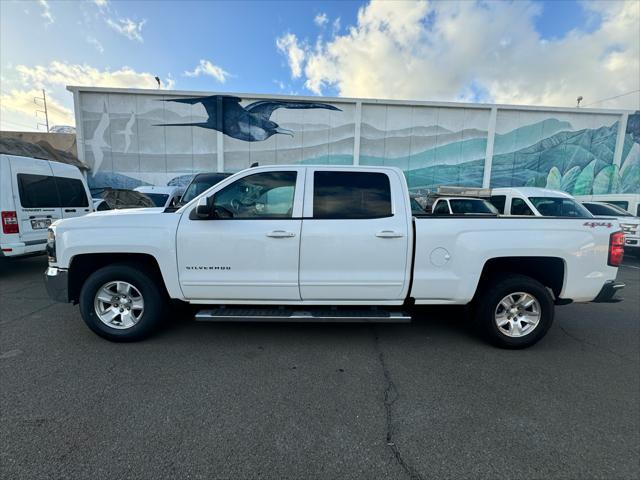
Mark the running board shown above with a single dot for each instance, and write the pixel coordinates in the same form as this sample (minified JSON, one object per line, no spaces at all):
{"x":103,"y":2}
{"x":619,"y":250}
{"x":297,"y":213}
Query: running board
{"x":290,"y":315}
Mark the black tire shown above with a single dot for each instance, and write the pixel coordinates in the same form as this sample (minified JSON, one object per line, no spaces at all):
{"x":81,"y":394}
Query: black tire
{"x":494,"y":291}
{"x":155,"y":302}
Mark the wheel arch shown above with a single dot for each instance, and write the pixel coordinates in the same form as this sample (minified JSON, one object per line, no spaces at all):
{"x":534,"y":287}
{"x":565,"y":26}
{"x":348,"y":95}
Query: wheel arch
{"x":83,"y":265}
{"x":549,"y":271}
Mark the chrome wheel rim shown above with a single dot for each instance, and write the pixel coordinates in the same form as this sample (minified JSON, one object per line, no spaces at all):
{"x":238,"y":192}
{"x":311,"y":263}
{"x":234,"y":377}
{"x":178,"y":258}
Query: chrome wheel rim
{"x":517,"y":314}
{"x":119,"y":304}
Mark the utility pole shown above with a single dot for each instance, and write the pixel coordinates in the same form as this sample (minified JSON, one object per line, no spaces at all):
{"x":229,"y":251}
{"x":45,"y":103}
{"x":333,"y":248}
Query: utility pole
{"x":45,"y":111}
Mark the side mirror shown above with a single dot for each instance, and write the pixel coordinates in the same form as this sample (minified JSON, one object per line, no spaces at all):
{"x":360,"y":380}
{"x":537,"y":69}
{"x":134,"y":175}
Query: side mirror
{"x":203,"y":208}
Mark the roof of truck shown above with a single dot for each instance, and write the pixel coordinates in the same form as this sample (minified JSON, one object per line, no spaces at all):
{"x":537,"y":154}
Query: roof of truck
{"x":531,"y":192}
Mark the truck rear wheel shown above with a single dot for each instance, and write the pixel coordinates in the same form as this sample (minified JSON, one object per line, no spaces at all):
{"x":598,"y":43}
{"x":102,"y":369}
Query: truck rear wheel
{"x":514,"y":311}
{"x":122,"y":303}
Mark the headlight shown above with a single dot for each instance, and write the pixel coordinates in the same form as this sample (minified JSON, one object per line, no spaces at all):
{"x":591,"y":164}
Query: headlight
{"x":51,"y":245}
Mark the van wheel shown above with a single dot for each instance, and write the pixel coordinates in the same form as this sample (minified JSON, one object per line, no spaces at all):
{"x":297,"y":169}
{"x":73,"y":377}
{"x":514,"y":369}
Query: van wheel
{"x":514,"y":311}
{"x":122,"y":303}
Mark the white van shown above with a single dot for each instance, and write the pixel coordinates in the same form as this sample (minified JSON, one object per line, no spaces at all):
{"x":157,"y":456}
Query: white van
{"x":537,"y":202}
{"x":627,"y":201}
{"x":33,"y":194}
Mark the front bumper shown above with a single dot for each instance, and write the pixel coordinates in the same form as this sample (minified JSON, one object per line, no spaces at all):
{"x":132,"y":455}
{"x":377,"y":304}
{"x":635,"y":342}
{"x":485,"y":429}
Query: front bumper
{"x":56,"y":280}
{"x":609,"y":289}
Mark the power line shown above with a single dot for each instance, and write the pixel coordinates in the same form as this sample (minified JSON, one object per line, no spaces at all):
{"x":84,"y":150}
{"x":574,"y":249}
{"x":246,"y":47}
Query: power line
{"x":611,"y":98}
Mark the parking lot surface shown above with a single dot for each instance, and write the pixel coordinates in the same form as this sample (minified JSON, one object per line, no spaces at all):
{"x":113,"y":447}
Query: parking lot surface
{"x":420,"y":400}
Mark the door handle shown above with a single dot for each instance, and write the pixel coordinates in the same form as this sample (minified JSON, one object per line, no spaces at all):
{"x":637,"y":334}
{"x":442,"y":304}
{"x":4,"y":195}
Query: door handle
{"x":280,"y":234}
{"x":389,"y":234}
{"x":69,"y":210}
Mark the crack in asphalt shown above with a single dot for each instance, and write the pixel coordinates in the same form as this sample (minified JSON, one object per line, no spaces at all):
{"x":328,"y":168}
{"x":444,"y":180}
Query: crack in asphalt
{"x":595,"y":345}
{"x":390,"y":397}
{"x":49,"y":305}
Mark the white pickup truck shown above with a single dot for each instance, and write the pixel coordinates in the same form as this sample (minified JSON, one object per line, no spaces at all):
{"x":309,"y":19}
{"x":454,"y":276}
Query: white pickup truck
{"x":325,"y":243}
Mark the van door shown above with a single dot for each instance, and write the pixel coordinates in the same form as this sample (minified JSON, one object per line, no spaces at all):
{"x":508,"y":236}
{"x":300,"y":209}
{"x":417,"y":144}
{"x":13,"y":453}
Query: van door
{"x":355,"y":237}
{"x":36,"y":198}
{"x":72,"y":189}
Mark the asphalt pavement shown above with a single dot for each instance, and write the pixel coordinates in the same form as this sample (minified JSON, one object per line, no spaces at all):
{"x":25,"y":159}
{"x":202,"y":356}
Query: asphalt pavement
{"x":242,"y":401}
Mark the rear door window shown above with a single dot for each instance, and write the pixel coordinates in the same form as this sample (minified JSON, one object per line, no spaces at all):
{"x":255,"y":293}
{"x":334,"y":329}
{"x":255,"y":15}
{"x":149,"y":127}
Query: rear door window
{"x":441,"y":208}
{"x":351,"y":195}
{"x":72,"y":192}
{"x":520,"y":207}
{"x":37,"y":191}
{"x":498,"y":201}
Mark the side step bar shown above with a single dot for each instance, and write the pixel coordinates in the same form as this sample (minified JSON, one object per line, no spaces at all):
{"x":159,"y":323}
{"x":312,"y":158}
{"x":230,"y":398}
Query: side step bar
{"x":291,"y":315}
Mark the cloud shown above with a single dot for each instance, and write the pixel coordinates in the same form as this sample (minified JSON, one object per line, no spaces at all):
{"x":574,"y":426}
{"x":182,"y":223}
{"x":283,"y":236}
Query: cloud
{"x":100,"y":3}
{"x":46,"y":12}
{"x":462,"y":50}
{"x":96,"y":43}
{"x":21,"y":101}
{"x":62,"y":73}
{"x":127,"y":27}
{"x":321,"y":19}
{"x":294,"y":51}
{"x":205,"y":67}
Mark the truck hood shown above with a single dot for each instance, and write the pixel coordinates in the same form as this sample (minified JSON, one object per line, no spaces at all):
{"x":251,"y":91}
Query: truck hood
{"x":130,"y":217}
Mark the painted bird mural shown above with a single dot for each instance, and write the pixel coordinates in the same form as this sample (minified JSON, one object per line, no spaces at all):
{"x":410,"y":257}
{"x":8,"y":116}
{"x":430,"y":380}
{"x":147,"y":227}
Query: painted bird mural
{"x":251,"y":123}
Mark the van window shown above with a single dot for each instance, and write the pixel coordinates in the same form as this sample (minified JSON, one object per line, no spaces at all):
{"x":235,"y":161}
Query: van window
{"x":498,"y":202}
{"x":37,"y":191}
{"x":351,"y":195}
{"x":46,"y":191}
{"x":72,"y":193}
{"x":520,"y":207}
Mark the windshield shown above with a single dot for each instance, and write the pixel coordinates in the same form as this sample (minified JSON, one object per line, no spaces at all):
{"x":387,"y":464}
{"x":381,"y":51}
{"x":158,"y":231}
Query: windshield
{"x":159,"y":199}
{"x":465,"y":206}
{"x":559,"y":207}
{"x":608,"y":210}
{"x":201,"y":184}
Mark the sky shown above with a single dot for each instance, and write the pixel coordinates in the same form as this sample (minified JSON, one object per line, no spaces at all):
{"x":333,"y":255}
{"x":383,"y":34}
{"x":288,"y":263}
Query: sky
{"x":521,"y":52}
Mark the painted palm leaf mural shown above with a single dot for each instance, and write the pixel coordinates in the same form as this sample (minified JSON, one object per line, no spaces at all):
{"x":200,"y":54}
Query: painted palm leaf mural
{"x":133,"y":139}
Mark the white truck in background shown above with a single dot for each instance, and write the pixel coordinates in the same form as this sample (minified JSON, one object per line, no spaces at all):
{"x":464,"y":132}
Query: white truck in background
{"x":325,"y":243}
{"x":34,"y":193}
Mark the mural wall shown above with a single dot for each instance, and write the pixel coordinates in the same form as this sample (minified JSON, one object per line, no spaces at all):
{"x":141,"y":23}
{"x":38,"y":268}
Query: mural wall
{"x":132,"y":139}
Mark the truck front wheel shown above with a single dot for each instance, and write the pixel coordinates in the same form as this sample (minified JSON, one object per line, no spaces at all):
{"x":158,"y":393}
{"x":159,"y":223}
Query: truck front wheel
{"x":122,"y":303}
{"x":514,"y":311}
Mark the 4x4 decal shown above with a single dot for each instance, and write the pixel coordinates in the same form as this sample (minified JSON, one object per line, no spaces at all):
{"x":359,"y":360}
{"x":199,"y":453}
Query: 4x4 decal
{"x":598,"y":224}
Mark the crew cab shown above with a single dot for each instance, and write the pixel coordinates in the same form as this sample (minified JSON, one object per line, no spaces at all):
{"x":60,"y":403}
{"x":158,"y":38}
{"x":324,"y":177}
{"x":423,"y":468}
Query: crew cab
{"x":325,"y":243}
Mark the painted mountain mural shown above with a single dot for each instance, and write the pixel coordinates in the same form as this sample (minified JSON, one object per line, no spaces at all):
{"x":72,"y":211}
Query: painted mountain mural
{"x":132,"y":140}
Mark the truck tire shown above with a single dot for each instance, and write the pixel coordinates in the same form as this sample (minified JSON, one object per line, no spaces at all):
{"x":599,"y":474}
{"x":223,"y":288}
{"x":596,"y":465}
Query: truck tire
{"x":122,"y":303}
{"x":514,"y":311}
